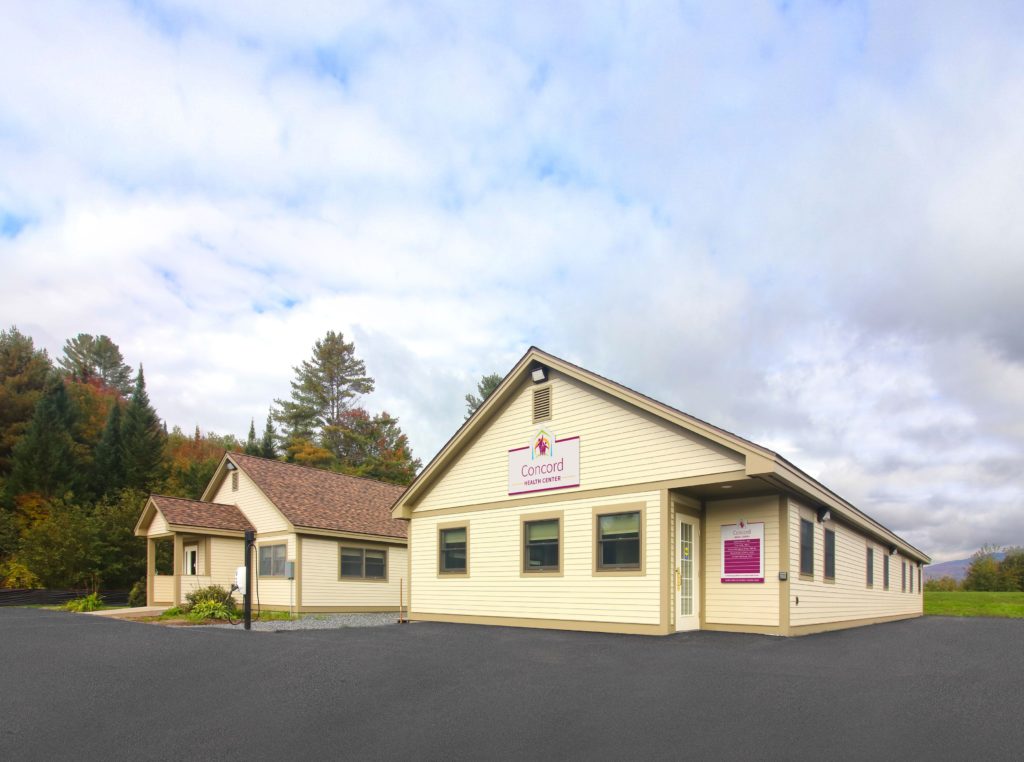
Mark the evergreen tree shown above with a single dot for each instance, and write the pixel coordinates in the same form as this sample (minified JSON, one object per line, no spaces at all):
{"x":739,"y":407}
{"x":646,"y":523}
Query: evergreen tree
{"x":375,"y":447}
{"x":143,"y":437}
{"x":252,"y":447}
{"x":108,"y":466}
{"x":87,"y":357}
{"x":485,"y":388}
{"x":43,"y":461}
{"x":268,"y":449}
{"x":24,"y":371}
{"x":323,"y":390}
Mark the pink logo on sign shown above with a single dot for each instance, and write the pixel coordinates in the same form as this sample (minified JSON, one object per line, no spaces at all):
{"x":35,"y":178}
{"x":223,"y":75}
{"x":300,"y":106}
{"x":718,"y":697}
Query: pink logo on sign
{"x":542,"y":446}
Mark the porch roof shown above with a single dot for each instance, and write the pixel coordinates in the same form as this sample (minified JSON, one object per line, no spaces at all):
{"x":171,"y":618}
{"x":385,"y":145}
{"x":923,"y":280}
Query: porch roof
{"x":195,"y":513}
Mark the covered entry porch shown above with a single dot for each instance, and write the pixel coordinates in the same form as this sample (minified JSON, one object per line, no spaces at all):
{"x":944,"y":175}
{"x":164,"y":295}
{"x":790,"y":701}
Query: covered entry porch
{"x":726,"y":535}
{"x":189,"y":544}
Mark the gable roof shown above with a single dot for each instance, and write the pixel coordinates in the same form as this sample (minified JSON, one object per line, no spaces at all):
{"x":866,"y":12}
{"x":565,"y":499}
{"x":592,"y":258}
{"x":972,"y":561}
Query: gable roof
{"x":179,"y":511}
{"x":313,"y":498}
{"x":760,"y":461}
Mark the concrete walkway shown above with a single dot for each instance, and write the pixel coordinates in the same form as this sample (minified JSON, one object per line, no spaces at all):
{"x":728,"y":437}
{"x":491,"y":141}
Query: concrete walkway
{"x":130,"y":613}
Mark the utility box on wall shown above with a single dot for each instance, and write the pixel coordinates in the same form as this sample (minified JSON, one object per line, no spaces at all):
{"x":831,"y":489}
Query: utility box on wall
{"x":289,"y":569}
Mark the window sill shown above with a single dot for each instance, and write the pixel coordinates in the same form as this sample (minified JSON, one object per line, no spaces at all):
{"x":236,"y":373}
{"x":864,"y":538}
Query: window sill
{"x":806,"y":577}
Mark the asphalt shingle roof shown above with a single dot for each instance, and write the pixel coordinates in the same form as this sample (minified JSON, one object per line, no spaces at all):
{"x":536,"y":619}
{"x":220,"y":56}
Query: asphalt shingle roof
{"x":195,"y":513}
{"x":317,"y":499}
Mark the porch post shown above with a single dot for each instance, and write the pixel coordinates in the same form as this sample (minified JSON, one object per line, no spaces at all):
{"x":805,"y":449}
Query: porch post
{"x":179,"y":561}
{"x":150,"y":569}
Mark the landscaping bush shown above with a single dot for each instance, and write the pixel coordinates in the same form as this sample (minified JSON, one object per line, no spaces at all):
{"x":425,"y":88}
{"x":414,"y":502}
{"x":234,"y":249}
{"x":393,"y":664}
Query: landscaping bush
{"x":209,"y":609}
{"x":137,"y":595}
{"x":213,"y":594}
{"x":90,"y":602}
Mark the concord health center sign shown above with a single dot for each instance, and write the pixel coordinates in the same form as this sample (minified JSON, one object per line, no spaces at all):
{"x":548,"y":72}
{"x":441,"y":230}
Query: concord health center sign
{"x":545,"y":464}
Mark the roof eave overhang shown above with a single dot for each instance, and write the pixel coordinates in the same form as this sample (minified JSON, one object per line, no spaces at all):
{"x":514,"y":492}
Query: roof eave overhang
{"x":789,"y":478}
{"x":189,"y":529}
{"x":147,"y":511}
{"x":365,"y":536}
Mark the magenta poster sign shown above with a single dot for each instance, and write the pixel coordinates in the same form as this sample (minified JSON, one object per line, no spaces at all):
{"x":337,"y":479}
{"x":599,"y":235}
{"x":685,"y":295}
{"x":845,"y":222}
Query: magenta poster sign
{"x":743,"y":552}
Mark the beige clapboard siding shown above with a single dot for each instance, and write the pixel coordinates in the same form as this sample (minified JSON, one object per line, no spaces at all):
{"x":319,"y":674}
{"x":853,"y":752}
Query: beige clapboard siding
{"x":190,"y":583}
{"x":848,"y":597}
{"x":157,"y":525}
{"x":496,"y":588}
{"x":226,"y":555}
{"x":749,"y":602}
{"x":321,"y":586}
{"x":619,"y":445}
{"x":260,"y":512}
{"x":274,"y":591}
{"x":163,"y":588}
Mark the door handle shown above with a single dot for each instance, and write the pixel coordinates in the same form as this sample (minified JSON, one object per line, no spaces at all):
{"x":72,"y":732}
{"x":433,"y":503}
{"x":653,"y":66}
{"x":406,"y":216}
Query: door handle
{"x":679,"y":580}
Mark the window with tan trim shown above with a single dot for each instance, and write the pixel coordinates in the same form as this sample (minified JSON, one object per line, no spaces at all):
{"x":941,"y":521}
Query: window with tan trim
{"x":806,"y":548}
{"x":363,"y":563}
{"x":618,"y":540}
{"x":885,"y":572}
{"x":272,"y":558}
{"x":453,"y":550}
{"x":871,"y":567}
{"x":541,"y":543}
{"x":830,"y":555}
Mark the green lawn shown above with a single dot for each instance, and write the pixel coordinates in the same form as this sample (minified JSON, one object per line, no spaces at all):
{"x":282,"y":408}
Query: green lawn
{"x":975,"y":604}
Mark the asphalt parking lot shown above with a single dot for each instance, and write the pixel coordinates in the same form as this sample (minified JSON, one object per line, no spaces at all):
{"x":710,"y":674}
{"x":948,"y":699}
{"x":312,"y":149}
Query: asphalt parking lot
{"x":74,"y":686}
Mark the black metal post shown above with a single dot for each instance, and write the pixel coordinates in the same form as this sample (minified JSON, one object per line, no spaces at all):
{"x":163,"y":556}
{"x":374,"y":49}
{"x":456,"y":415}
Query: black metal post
{"x":250,"y":541}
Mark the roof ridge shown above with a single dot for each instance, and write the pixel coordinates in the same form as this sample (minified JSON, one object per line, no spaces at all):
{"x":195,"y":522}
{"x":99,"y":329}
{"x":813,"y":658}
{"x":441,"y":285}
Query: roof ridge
{"x":318,"y":470}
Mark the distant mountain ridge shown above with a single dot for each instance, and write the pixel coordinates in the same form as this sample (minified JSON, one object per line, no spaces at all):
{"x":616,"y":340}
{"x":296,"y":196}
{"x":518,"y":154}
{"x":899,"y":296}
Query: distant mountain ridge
{"x":955,"y":569}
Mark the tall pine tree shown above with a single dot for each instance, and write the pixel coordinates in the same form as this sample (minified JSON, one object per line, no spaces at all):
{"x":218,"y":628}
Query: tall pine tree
{"x":87,"y":358}
{"x":108,"y":464}
{"x":43,"y":461}
{"x":252,"y":447}
{"x":143,"y":439}
{"x":268,"y":448}
{"x":323,"y":390}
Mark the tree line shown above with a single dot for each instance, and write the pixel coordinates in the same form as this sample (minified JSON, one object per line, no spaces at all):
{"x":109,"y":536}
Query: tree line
{"x":987,"y":572}
{"x":81,"y":447}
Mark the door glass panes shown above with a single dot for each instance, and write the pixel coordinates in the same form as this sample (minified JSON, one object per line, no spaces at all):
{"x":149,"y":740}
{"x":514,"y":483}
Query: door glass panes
{"x":686,"y":569}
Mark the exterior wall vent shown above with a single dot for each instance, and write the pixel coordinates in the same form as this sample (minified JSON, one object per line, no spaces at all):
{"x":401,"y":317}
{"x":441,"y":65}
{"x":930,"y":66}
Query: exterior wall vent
{"x":234,"y":481}
{"x":542,"y":404}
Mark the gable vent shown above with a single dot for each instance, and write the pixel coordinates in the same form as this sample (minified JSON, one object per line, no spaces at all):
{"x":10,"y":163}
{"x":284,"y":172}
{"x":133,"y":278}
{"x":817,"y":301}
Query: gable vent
{"x":542,"y":404}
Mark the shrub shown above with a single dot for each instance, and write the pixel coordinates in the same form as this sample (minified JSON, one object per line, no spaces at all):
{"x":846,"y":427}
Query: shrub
{"x":942,"y":585}
{"x":137,"y":595}
{"x":208,"y":609}
{"x":173,"y":611}
{"x":214,"y":594}
{"x":90,"y":602}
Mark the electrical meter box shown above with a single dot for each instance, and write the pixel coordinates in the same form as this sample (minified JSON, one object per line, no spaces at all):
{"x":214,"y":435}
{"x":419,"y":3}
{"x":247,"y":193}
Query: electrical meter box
{"x":240,"y":578}
{"x":289,"y":569}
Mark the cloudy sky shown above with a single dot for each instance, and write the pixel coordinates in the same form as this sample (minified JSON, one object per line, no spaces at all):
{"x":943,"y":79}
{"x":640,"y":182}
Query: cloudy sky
{"x":801,"y":221}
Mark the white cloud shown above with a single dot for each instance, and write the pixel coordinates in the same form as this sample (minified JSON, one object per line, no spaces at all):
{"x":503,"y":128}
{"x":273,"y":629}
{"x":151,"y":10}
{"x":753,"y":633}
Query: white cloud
{"x":799,"y":223}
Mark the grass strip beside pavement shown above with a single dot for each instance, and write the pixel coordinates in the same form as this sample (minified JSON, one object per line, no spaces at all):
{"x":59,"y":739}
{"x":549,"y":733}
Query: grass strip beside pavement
{"x":964,"y":603}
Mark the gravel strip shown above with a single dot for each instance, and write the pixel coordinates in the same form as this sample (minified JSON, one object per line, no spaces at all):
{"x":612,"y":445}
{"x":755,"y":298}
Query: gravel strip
{"x":317,"y":622}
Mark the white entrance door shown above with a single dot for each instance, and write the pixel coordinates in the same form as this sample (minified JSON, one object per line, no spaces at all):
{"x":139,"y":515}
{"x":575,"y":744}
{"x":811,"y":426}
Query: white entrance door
{"x":687,"y":587}
{"x":191,"y":560}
